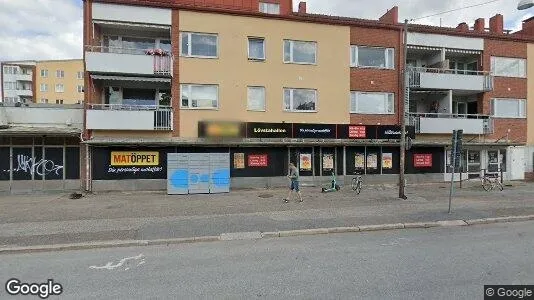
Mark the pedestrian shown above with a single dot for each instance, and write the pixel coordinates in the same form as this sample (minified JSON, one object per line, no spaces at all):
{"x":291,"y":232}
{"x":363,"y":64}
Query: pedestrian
{"x":293,"y":175}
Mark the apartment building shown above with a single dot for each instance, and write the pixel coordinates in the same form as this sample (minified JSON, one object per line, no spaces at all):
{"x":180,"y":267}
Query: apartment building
{"x":60,"y":81}
{"x":270,"y":86}
{"x":46,"y":81}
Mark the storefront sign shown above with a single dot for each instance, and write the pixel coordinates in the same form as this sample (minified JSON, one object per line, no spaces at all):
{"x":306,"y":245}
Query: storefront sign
{"x":269,"y":130}
{"x":134,"y":158}
{"x":372,"y":161}
{"x":387,"y":161}
{"x":314,"y":131}
{"x":357,"y":132}
{"x":422,"y":160}
{"x":258,"y":160}
{"x":239,"y":160}
{"x":305,"y":162}
{"x":220,"y":129}
{"x":328,"y":161}
{"x":359,"y":161}
{"x":393,"y":132}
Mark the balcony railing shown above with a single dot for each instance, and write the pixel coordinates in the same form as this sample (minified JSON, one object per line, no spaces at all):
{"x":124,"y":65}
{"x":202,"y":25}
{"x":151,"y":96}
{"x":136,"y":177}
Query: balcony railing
{"x":422,"y":77}
{"x":440,"y":123}
{"x":161,"y":61}
{"x":129,"y":117}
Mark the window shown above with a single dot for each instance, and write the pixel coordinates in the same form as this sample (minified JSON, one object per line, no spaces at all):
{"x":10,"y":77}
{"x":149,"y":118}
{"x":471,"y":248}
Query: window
{"x":10,"y":70}
{"x":8,"y":85}
{"x":508,"y":67}
{"x":80,"y":89}
{"x":300,"y":100}
{"x":44,"y":87}
{"x":44,"y":100}
{"x":256,"y":98}
{"x":199,"y":96}
{"x":371,"y":103}
{"x":79,"y":75}
{"x":300,"y":52}
{"x":256,"y":48}
{"x":270,"y":8}
{"x":60,"y":88}
{"x":60,"y":73}
{"x":199,"y":45}
{"x":142,"y":97}
{"x":508,"y":108}
{"x":59,"y":101}
{"x":10,"y":99}
{"x":371,"y":57}
{"x":44,"y":73}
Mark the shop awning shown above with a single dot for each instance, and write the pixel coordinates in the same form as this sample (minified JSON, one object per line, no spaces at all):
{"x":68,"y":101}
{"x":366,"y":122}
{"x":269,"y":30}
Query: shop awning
{"x":427,"y":48}
{"x":130,"y":25}
{"x":463,"y":51}
{"x":131,"y":79}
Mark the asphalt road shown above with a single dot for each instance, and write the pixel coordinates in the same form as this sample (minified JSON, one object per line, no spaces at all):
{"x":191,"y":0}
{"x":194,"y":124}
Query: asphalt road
{"x":437,"y":263}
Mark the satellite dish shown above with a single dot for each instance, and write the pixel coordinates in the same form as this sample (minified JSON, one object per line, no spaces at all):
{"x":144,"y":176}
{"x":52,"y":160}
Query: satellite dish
{"x":525,"y":4}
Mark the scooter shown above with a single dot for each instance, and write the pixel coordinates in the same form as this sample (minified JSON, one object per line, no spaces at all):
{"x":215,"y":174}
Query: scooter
{"x":334,"y":187}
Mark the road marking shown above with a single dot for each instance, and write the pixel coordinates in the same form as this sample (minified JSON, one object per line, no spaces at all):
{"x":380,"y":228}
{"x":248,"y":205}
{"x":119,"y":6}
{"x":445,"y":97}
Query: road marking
{"x":111,"y":266}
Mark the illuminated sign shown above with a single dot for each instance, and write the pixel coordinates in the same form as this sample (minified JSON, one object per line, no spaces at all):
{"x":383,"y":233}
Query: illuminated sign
{"x":422,"y":160}
{"x":261,"y":160}
{"x":134,"y":158}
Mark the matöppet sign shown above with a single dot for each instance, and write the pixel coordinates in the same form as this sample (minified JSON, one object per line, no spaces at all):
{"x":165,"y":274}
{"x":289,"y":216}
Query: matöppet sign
{"x":303,"y":131}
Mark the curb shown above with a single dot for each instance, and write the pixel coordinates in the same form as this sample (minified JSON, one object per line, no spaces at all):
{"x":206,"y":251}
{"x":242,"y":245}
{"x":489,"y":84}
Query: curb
{"x":261,"y":235}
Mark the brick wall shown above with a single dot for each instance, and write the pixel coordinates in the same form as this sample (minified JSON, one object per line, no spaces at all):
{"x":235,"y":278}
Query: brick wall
{"x":376,"y":80}
{"x":175,"y":84}
{"x":505,"y":87}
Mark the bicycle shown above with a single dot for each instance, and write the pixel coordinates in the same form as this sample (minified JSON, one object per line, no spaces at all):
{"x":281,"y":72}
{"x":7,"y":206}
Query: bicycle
{"x":490,"y":181}
{"x":357,"y":183}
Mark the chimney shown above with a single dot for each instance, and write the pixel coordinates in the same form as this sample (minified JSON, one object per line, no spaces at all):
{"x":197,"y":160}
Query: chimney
{"x":302,"y":7}
{"x":480,"y":25}
{"x":496,"y":24}
{"x":463,"y":27}
{"x":391,"y":16}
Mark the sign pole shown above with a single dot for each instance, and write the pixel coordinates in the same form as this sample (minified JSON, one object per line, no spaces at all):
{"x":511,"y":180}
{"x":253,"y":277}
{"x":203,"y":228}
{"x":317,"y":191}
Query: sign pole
{"x":453,"y":165}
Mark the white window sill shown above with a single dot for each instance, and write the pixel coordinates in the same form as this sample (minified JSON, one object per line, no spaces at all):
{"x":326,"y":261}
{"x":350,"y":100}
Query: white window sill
{"x":504,"y":76}
{"x":499,"y":117}
{"x":300,"y":63}
{"x":257,"y":110}
{"x":374,"y":68}
{"x":199,"y":56}
{"x":362,"y":113}
{"x":199,"y":108}
{"x":300,"y":111}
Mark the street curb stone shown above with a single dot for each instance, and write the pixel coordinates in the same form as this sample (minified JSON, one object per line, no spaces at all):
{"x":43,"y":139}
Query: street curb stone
{"x":259,"y":235}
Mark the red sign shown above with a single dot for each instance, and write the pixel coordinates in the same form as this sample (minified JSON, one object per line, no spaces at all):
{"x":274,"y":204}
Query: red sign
{"x":422,"y":160}
{"x":357,"y":132}
{"x":260,"y":160}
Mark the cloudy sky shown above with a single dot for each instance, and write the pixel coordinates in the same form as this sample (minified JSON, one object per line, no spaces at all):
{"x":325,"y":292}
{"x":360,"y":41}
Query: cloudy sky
{"x":52,"y":29}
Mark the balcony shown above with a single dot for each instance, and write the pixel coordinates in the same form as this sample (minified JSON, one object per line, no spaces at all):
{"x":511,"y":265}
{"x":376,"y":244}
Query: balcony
{"x":24,"y":77}
{"x":25,"y":92}
{"x":129,"y":117}
{"x":128,"y":61}
{"x":446,"y":123}
{"x":448,"y":79}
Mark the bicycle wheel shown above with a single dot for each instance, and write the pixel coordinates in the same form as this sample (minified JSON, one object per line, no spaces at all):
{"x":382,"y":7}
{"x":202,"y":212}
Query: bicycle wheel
{"x":499,"y":184}
{"x":359,"y":187}
{"x":487,"y":184}
{"x":354,"y":184}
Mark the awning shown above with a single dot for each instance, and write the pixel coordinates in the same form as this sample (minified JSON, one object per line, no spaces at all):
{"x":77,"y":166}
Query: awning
{"x":428,"y":48}
{"x":131,"y":78}
{"x":131,"y":25}
{"x":463,"y":51}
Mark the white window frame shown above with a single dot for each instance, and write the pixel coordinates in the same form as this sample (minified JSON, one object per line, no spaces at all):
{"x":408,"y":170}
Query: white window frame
{"x":522,"y":108}
{"x":80,"y":88}
{"x":79,"y":75}
{"x":189,"y":87}
{"x":524,"y":61}
{"x":44,"y":73}
{"x":291,"y":91}
{"x":248,"y":48}
{"x":60,"y":88}
{"x":43,"y":87}
{"x":60,"y":74}
{"x":291,"y":58}
{"x":387,"y":97}
{"x":263,"y":8}
{"x":389,"y":61}
{"x":188,"y":34}
{"x":264,"y":98}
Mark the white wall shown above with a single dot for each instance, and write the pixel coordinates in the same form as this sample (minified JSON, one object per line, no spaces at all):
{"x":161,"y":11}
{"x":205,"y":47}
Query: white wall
{"x":120,"y":119}
{"x":444,"y":126}
{"x":135,"y":14}
{"x":44,"y":115}
{"x":445,"y":41}
{"x":119,"y":63}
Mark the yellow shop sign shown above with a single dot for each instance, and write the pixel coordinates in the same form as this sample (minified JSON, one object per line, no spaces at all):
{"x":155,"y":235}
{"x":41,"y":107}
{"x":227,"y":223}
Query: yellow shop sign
{"x":141,"y":158}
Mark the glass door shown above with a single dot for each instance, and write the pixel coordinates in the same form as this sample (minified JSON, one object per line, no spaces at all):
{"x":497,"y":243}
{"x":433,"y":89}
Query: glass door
{"x":473,"y":163}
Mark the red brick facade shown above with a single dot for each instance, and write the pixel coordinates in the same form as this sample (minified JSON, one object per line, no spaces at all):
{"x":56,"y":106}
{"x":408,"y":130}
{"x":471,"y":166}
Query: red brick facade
{"x":175,"y":85}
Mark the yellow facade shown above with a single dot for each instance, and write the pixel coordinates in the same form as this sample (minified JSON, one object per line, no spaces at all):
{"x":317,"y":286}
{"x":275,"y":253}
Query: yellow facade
{"x":530,"y":94}
{"x":70,"y":81}
{"x":234,"y":72}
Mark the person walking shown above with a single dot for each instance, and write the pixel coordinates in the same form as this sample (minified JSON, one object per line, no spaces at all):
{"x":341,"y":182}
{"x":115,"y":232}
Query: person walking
{"x":295,"y":180}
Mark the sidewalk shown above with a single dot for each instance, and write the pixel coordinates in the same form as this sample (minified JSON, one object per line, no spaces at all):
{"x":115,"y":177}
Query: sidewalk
{"x":56,"y":219}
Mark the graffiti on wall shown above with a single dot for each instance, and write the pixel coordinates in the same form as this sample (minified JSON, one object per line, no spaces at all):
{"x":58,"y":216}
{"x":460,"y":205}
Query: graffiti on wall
{"x":39,"y":167}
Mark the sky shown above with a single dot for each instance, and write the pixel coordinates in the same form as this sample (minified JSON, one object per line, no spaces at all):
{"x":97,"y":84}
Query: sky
{"x":52,"y":29}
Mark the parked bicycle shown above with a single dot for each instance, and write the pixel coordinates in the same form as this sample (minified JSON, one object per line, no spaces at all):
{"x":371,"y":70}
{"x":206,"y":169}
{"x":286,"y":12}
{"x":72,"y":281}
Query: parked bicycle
{"x":490,"y":181}
{"x":357,"y":183}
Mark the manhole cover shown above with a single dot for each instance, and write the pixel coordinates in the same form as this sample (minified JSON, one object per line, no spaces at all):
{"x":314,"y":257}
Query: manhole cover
{"x":266,"y":196}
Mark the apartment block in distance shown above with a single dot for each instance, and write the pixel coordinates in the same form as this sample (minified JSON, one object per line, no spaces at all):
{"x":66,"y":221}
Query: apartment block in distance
{"x":46,"y":81}
{"x":267,"y":84}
